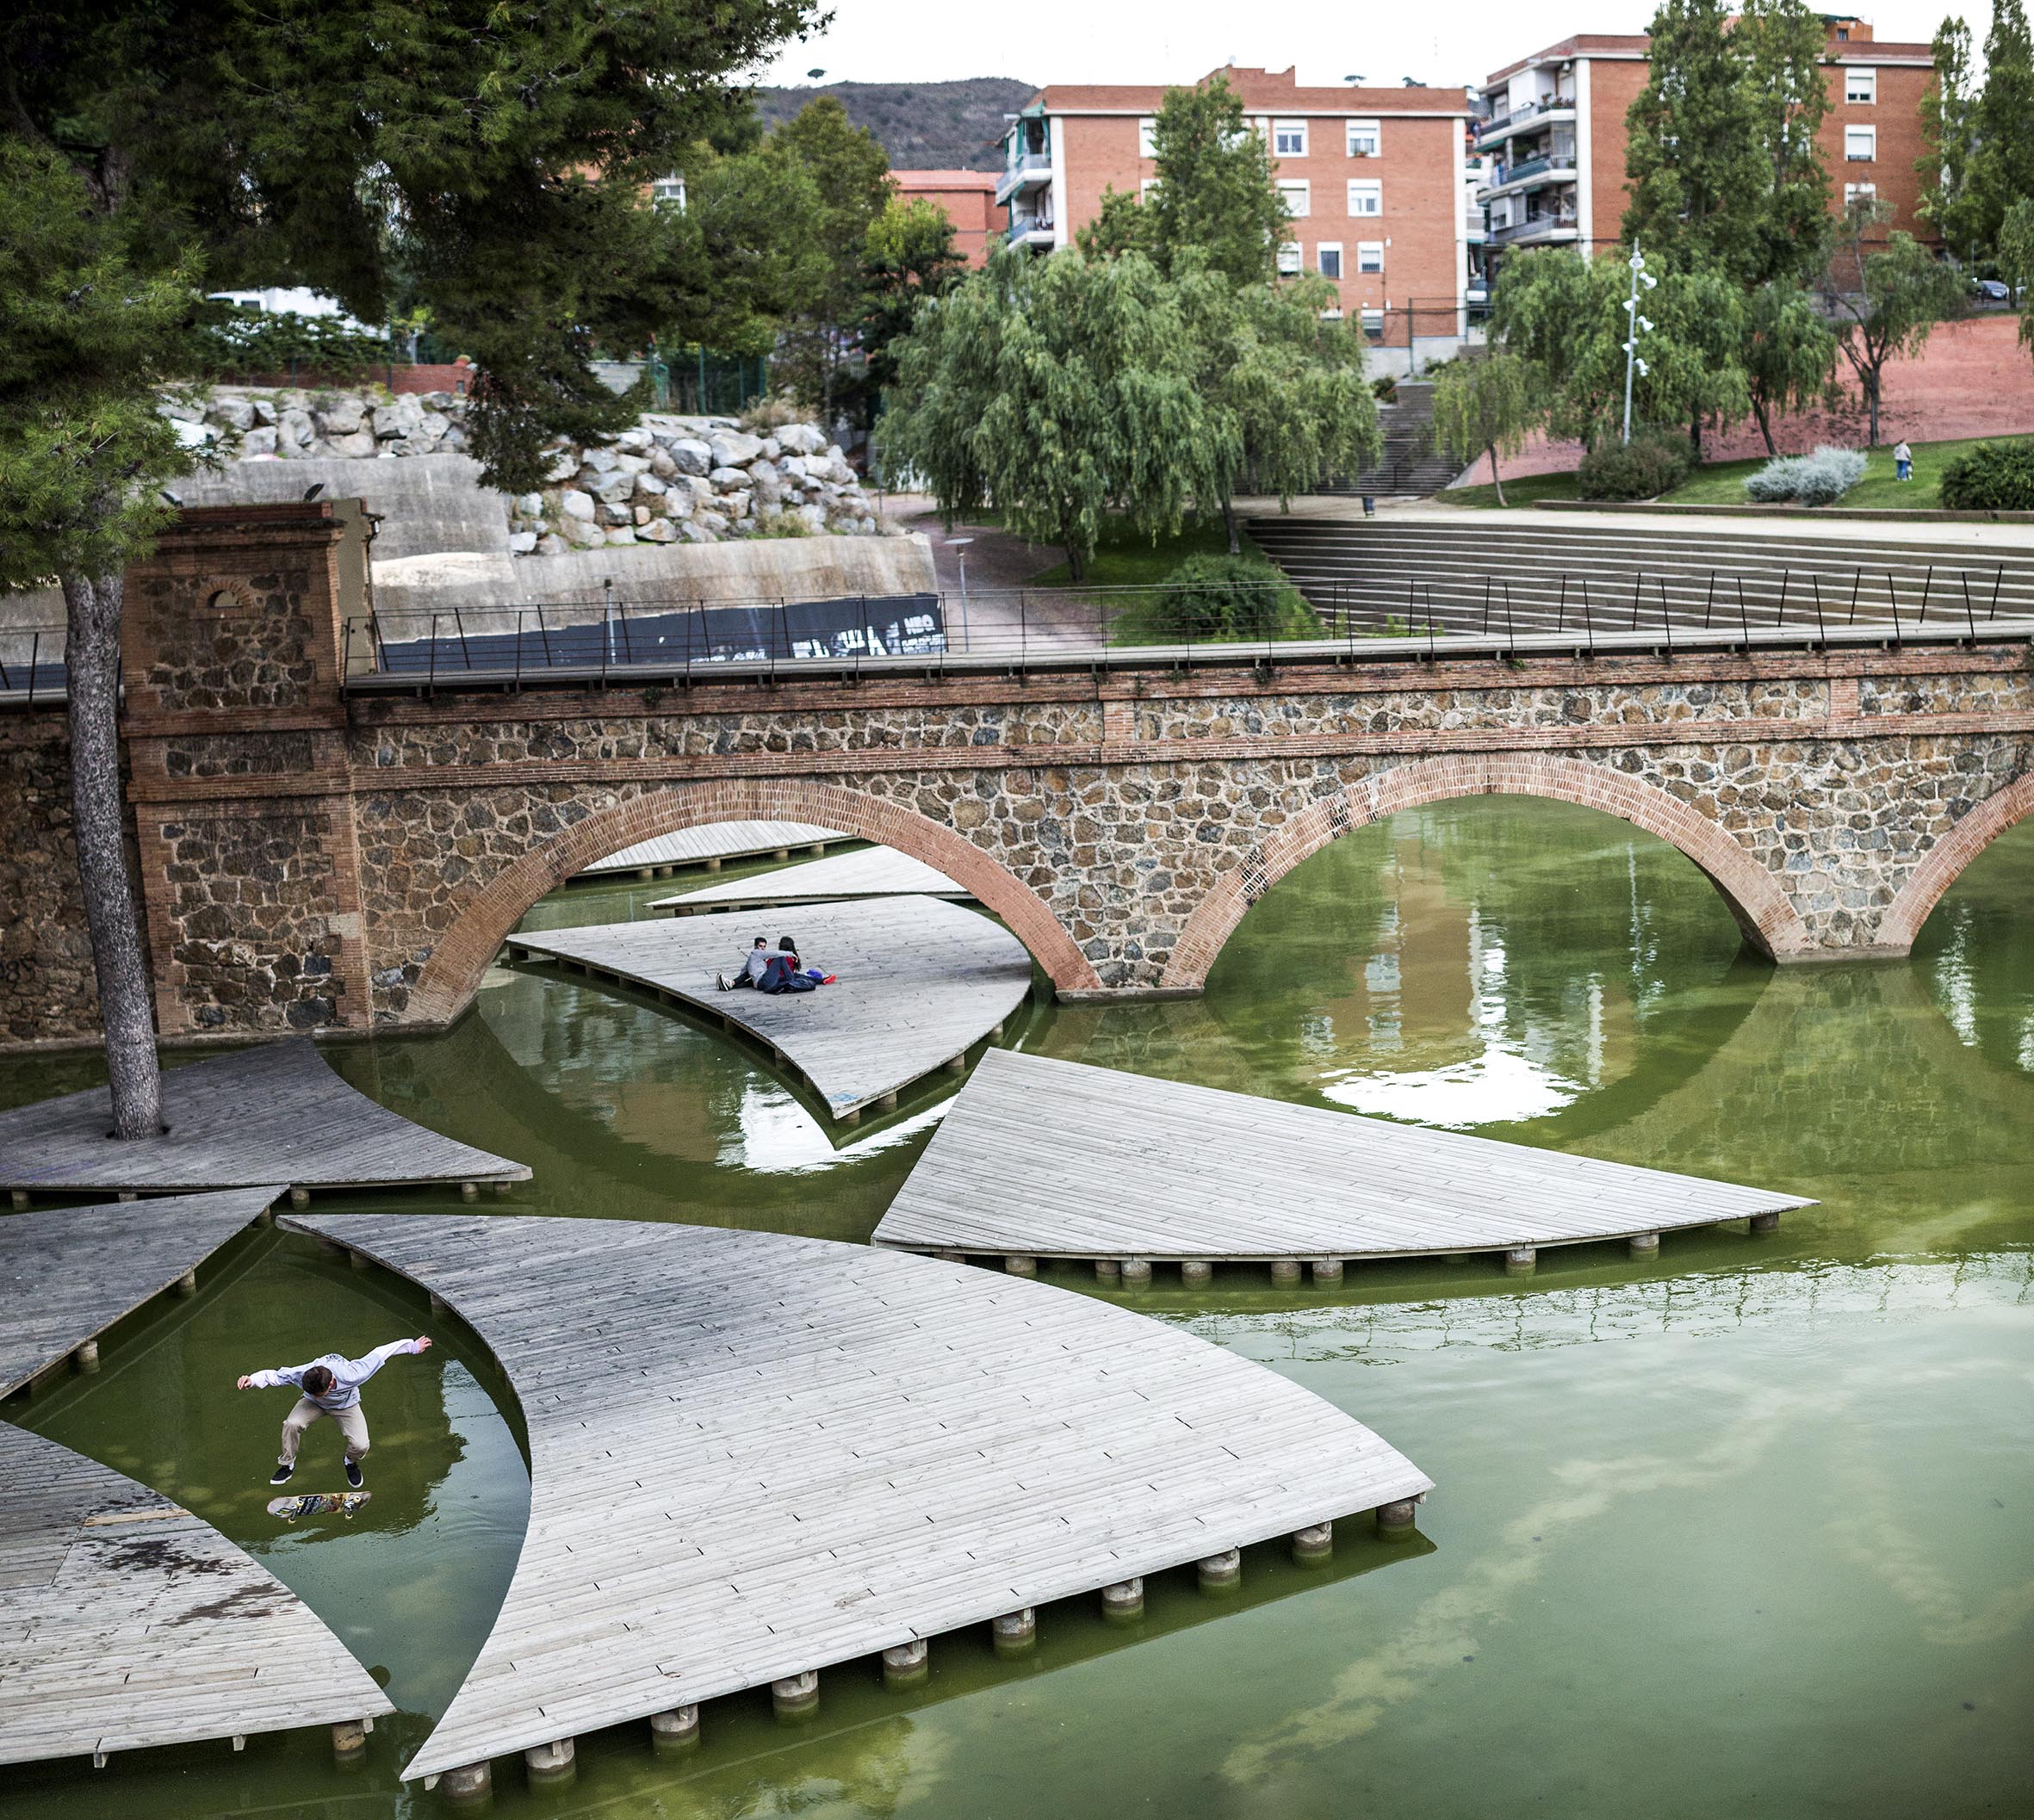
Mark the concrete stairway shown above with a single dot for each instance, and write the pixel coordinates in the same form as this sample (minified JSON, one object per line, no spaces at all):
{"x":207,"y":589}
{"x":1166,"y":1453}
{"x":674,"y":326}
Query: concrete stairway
{"x":1409,"y":467}
{"x":1487,"y":573}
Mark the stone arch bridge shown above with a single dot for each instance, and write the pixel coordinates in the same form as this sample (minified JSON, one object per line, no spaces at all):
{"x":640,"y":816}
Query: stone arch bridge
{"x":313,"y":856}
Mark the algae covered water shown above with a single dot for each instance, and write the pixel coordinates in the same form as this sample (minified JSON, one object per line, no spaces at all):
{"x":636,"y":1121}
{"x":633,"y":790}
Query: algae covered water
{"x":1746,"y":1529}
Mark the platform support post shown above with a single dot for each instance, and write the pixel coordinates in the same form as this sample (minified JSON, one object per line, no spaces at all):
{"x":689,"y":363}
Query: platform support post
{"x":1327,"y":1272}
{"x":1285,"y":1272}
{"x":1123,"y":1601}
{"x":1107,"y":1272}
{"x":1221,"y":1573}
{"x":1196,"y":1272}
{"x":1015,"y":1632}
{"x":300,"y":1197}
{"x":1520,"y":1260}
{"x":1760,"y":1222}
{"x":677,"y":1730}
{"x":186,"y":1285}
{"x":551,"y":1766}
{"x":349,"y":1741}
{"x":469,"y":1191}
{"x":1395,"y":1520}
{"x":1645,"y":1244}
{"x":471,"y":1783}
{"x":1136,"y":1272}
{"x":438,"y":1302}
{"x":87,"y":1356}
{"x":907,"y":1664}
{"x":797,"y":1696}
{"x":19,"y":1196}
{"x":1314,"y":1543}
{"x":1018,"y":1265}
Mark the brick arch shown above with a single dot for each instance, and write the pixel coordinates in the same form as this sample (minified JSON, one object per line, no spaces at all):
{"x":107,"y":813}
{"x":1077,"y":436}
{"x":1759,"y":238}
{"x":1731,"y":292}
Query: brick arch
{"x":464,"y":951}
{"x":1764,"y":913}
{"x":1944,"y":862}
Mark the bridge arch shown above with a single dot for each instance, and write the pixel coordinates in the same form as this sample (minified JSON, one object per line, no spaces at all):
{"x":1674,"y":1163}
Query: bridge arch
{"x":1762,"y":910}
{"x":1944,"y":862}
{"x":462,"y":954}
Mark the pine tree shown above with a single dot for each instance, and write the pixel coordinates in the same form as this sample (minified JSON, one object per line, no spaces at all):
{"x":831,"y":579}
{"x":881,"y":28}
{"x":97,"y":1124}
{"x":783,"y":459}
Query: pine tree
{"x":1953,"y":202}
{"x":2005,"y":117}
{"x":1782,"y":45}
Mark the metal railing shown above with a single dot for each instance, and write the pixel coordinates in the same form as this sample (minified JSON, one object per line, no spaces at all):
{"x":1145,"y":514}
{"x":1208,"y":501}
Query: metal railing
{"x":1020,"y":228}
{"x":39,"y":677}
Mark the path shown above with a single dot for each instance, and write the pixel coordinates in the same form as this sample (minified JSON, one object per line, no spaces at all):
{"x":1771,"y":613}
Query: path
{"x":829,"y":1451}
{"x":275,"y":1113}
{"x":871,"y":872}
{"x":919,"y":983}
{"x":1087,"y":1162}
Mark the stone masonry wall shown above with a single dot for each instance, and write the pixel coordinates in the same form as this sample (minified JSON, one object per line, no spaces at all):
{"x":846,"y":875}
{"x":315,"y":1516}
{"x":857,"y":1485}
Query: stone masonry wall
{"x":48,"y":993}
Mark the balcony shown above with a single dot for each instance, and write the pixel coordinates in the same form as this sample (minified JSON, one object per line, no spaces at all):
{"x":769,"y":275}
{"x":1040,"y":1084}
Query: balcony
{"x":1029,"y":171}
{"x":1534,"y":229}
{"x":1557,"y":166}
{"x":1501,"y":126}
{"x":1030,"y":231}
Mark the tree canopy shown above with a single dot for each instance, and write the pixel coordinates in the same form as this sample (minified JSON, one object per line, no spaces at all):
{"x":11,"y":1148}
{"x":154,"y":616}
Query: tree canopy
{"x":1486,"y":406}
{"x":1883,"y":300}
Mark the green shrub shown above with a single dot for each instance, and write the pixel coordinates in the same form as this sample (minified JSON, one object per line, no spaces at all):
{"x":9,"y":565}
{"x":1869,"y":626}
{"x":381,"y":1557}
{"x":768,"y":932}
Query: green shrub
{"x":1994,"y":477}
{"x":1643,"y":468}
{"x":780,"y":524}
{"x":1213,"y":599}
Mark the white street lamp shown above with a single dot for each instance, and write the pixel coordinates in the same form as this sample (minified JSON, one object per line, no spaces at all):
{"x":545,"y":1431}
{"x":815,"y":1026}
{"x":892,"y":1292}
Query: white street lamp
{"x":959,"y":546}
{"x":1639,"y":326}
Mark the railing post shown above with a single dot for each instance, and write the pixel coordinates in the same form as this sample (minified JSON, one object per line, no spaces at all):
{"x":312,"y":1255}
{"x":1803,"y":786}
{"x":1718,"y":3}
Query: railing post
{"x":1927,"y":587}
{"x":1821,"y":632}
{"x":1998,"y":576}
{"x":1786,"y":576}
{"x":465,"y":653}
{"x":1709,"y":601}
{"x":1969,"y":612}
{"x":433,"y":677}
{"x":1638,"y":588}
{"x":1743,"y":617}
{"x":1857,"y":582}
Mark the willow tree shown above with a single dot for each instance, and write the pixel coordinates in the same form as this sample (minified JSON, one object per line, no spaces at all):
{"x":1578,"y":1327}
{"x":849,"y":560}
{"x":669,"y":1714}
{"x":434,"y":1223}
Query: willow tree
{"x":492,"y":162}
{"x":1789,"y":352}
{"x":1486,"y":406}
{"x":1062,"y":392}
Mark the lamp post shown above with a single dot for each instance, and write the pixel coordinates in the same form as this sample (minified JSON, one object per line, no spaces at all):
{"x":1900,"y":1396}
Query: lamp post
{"x":959,"y":546}
{"x":1635,"y":325}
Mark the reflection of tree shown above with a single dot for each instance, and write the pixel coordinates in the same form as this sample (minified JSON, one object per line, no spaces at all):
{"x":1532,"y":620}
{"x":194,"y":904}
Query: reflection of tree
{"x":1975,"y":954}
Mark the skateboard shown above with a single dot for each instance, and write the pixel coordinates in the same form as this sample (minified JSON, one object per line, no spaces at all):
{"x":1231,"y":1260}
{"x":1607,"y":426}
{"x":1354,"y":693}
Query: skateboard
{"x":317,"y":1504}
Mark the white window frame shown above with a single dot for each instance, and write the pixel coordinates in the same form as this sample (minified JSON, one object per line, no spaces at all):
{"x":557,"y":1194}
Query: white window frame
{"x":1144,"y":136}
{"x":1371,"y":320}
{"x":1367,"y":250}
{"x":1144,"y":187}
{"x":1322,"y":250}
{"x":1363,"y":191}
{"x":1297,"y":194}
{"x":1359,"y":131}
{"x":1288,"y":259}
{"x":1283,"y":130}
{"x":1869,"y":136}
{"x":1861,"y":86}
{"x":1853,"y":191}
{"x":669,"y":192}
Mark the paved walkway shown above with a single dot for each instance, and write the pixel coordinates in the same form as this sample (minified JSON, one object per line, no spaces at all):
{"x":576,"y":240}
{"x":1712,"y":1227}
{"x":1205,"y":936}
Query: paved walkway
{"x":919,"y":983}
{"x":1088,"y":1162}
{"x":126,"y":1622}
{"x":828,"y":1452}
{"x":269,"y":1114}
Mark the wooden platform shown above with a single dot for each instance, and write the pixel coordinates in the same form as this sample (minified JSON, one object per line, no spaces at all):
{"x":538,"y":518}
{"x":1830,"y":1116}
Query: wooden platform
{"x":869,"y":872}
{"x":921,"y":981}
{"x":714,"y":844}
{"x":67,"y":1274}
{"x":126,"y":1622}
{"x":275,"y":1113}
{"x":754,"y":1456}
{"x":1038,"y":1157}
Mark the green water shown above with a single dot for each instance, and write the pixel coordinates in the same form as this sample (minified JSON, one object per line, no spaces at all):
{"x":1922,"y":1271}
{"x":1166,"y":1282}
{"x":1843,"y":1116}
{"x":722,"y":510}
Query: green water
{"x":1744,"y":1531}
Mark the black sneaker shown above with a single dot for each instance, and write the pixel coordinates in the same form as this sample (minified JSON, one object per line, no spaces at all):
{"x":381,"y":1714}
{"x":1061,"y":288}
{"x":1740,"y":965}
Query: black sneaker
{"x":355,"y":1477}
{"x":281,"y":1475}
{"x":721,"y":981}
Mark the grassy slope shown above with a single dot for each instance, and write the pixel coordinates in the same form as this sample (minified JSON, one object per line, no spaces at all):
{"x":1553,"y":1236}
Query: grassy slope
{"x":1722,"y":483}
{"x":1124,"y":560}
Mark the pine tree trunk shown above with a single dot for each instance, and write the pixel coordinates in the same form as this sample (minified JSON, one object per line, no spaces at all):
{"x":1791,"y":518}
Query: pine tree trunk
{"x":1496,"y":478}
{"x":91,"y":656}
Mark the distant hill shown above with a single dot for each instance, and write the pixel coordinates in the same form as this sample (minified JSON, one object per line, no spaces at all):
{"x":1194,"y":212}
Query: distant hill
{"x":923,"y":126}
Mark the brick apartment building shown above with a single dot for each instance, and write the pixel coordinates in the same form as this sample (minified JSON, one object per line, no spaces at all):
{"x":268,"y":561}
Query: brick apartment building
{"x":968,"y":197}
{"x":1376,"y":181}
{"x":1553,"y":143}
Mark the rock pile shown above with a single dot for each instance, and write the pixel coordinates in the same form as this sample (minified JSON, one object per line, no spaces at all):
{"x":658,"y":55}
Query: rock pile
{"x":668,"y":479}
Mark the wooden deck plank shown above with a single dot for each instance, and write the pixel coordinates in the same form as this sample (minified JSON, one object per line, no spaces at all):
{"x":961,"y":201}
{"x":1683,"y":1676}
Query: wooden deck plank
{"x":921,"y":981}
{"x":123,"y":1635}
{"x":257,"y":1115}
{"x":722,"y":840}
{"x":871,"y":872}
{"x":807,"y":1451}
{"x":67,"y":1274}
{"x":1090,"y":1162}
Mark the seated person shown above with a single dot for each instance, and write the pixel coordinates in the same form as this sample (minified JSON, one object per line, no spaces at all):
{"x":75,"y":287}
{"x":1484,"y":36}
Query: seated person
{"x":753,"y":964}
{"x":783,"y":973}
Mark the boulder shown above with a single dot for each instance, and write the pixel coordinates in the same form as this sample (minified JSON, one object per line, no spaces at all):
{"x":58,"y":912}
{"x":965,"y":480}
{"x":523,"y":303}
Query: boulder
{"x":265,"y":410}
{"x":736,"y":503}
{"x":359,"y":445}
{"x":711,"y":522}
{"x":181,"y":410}
{"x":622,"y":533}
{"x":521,"y":543}
{"x":582,"y":531}
{"x":814,"y":517}
{"x":529,"y":506}
{"x":732,"y":448}
{"x":435,"y":427}
{"x":601,"y":460}
{"x":258,"y":443}
{"x":658,"y":531}
{"x":793,"y":466}
{"x":648,"y":486}
{"x":636,"y":441}
{"x":234,"y":413}
{"x":614,"y":486}
{"x":609,"y":513}
{"x":576,"y":504}
{"x":633,"y":464}
{"x":726,"y":479}
{"x":691,"y":455}
{"x":662,"y":466}
{"x":342,"y":416}
{"x":552,"y":545}
{"x":565,"y":467}
{"x":801,"y":439}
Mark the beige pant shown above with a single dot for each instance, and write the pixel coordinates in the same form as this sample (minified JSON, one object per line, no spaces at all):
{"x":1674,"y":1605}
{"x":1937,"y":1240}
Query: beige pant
{"x":352,"y":1424}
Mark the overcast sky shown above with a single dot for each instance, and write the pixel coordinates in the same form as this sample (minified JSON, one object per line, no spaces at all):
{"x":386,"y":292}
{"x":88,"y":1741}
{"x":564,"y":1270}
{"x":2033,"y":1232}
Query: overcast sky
{"x":1442,"y":43}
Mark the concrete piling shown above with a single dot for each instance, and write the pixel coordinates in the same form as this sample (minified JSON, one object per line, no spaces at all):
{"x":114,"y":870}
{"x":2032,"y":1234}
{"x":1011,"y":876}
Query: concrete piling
{"x":551,"y":1766}
{"x":1124,"y":1601}
{"x":1015,"y":1632}
{"x":1327,"y":1272}
{"x":1221,"y":1573}
{"x":677,"y":1730}
{"x":472,"y":1784}
{"x":907,"y":1664}
{"x":1765,"y":1223}
{"x":1645,"y":1244}
{"x":1108,"y":1272}
{"x":1196,"y":1272}
{"x":1018,"y":1265}
{"x":1285,"y":1272}
{"x":86,"y":1358}
{"x":797,"y":1696}
{"x":186,"y":1285}
{"x":300,"y":1197}
{"x":1395,"y":1520}
{"x":469,"y":1191}
{"x":1314,"y":1543}
{"x":349,"y":1742}
{"x":1136,"y":1272}
{"x":19,"y":1196}
{"x":1520,"y":1260}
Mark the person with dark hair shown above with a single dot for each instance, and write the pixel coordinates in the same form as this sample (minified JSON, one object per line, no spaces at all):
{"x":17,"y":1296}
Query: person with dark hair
{"x":331,"y":1386}
{"x":752,"y":967}
{"x":783,"y":973}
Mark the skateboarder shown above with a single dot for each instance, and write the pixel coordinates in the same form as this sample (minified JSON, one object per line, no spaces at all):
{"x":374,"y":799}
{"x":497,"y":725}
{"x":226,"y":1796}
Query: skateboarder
{"x":331,"y":1386}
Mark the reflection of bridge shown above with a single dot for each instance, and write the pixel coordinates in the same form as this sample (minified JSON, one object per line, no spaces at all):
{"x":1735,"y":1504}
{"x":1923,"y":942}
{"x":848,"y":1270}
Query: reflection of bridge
{"x":311,"y":857}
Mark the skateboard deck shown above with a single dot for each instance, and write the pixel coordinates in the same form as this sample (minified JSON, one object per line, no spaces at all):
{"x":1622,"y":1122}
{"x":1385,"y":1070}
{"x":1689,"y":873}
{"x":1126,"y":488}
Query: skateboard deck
{"x":317,"y":1504}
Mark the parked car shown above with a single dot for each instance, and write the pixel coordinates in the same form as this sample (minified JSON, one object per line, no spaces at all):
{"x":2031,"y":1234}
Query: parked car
{"x":1992,"y":289}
